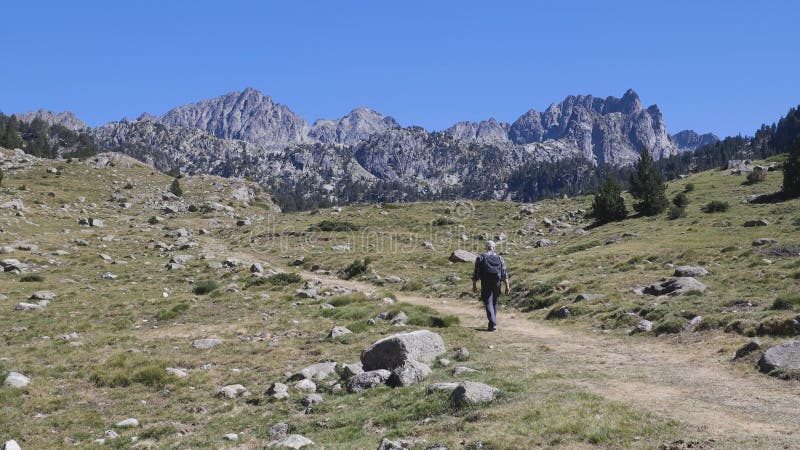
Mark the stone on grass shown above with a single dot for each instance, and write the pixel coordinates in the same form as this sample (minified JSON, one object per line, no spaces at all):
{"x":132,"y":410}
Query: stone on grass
{"x":347,"y":371}
{"x":278,"y":391}
{"x":15,"y":204}
{"x":764,"y":241}
{"x":386,"y":444}
{"x":256,"y":268}
{"x":690,"y":271}
{"x":43,"y":295}
{"x":410,"y":373}
{"x":644,"y":326}
{"x":756,"y":223}
{"x":311,"y":400}
{"x":442,"y":387}
{"x":306,"y":385}
{"x":179,"y":373}
{"x":588,"y":297}
{"x":396,"y":350}
{"x":111,"y":434}
{"x":562,"y":312}
{"x":367,"y":380}
{"x":231,"y":437}
{"x":23,"y":306}
{"x":461,"y":354}
{"x":127,"y":423}
{"x":11,"y":445}
{"x":462,"y":256}
{"x":16,"y":380}
{"x":279,"y":430}
{"x":205,"y":344}
{"x":461,"y":370}
{"x":472,"y":393}
{"x":783,"y":356}
{"x":338,"y":332}
{"x":675,"y":286}
{"x":294,"y":441}
{"x":544,"y":243}
{"x":318,"y":371}
{"x":233,"y":391}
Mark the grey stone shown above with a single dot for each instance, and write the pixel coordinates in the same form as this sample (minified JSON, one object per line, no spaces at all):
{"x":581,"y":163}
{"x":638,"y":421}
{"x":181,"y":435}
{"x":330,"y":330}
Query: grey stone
{"x":783,"y":356}
{"x":410,"y":373}
{"x":675,"y":286}
{"x":347,"y":371}
{"x":127,"y":423}
{"x":279,"y":430}
{"x":461,"y":370}
{"x":394,"y":351}
{"x":756,"y":223}
{"x":278,"y":391}
{"x":23,"y":306}
{"x":16,"y":380}
{"x":204,"y":344}
{"x":231,"y":437}
{"x":233,"y":390}
{"x":256,"y":268}
{"x":311,"y":400}
{"x":545,"y":243}
{"x":764,"y":241}
{"x":43,"y":295}
{"x":11,"y":445}
{"x":690,"y":271}
{"x":562,"y":312}
{"x":461,"y":354}
{"x":386,"y":444}
{"x":442,"y":387}
{"x":471,"y":393}
{"x":294,"y":441}
{"x":367,"y":380}
{"x":318,"y":371}
{"x":338,"y":332}
{"x":111,"y":434}
{"x":644,"y":326}
{"x":462,"y":256}
{"x":179,"y":373}
{"x":306,"y":385}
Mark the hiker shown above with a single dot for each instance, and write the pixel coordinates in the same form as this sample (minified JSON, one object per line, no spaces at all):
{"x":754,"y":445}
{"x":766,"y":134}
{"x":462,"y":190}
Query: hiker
{"x":491,"y":270}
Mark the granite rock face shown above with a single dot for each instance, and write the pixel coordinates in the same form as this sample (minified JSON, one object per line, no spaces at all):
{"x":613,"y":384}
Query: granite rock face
{"x":66,"y":119}
{"x":356,"y":126}
{"x":688,"y":140}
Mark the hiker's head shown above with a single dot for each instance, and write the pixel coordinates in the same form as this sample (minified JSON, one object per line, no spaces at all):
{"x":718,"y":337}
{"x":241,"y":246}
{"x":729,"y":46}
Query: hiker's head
{"x":490,"y":245}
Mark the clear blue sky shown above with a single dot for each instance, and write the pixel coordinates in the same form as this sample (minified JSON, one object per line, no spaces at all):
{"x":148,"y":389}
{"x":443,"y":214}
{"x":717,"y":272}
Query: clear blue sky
{"x":720,"y":66}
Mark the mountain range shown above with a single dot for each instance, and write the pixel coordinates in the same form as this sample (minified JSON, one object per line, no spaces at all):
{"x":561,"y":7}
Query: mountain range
{"x":248,"y":134}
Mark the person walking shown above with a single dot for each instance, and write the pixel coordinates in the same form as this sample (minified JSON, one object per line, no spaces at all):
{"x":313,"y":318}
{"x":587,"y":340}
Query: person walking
{"x":490,"y":269}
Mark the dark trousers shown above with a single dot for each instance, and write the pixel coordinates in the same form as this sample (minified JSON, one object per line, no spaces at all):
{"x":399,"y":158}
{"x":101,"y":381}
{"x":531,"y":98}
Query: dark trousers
{"x":490,"y":295}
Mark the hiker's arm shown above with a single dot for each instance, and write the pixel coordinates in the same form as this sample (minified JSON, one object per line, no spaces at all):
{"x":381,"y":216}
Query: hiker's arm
{"x":475,"y":275}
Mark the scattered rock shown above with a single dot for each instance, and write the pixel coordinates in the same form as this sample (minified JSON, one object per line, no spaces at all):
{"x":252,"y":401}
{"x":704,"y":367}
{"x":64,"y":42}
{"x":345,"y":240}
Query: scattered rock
{"x":311,"y":400}
{"x":676,"y":286}
{"x":544,"y":243}
{"x":764,"y":241}
{"x":409,"y":374}
{"x":461,"y":370}
{"x":386,"y":444}
{"x":231,"y":437}
{"x":306,"y":385}
{"x":471,"y":393}
{"x":347,"y":371}
{"x":562,"y":312}
{"x":341,"y":248}
{"x":16,"y":380}
{"x":442,"y":387}
{"x":444,"y":362}
{"x":367,"y":380}
{"x":462,"y":256}
{"x":233,"y":391}
{"x":127,"y":423}
{"x":690,"y":271}
{"x":746,"y":349}
{"x":294,"y":441}
{"x":278,"y":391}
{"x":205,"y":344}
{"x":279,"y":430}
{"x":394,"y":351}
{"x":23,"y":306}
{"x":15,"y":204}
{"x":174,"y":371}
{"x":43,"y":295}
{"x":338,"y":332}
{"x":256,"y":268}
{"x":461,"y":354}
{"x":756,"y":223}
{"x":318,"y":371}
{"x":644,"y":326}
{"x":783,"y":356}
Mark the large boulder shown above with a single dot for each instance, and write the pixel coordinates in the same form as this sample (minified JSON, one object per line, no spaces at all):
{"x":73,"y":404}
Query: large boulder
{"x":294,"y":441}
{"x":463,"y":256}
{"x":472,"y":393}
{"x":395,"y":351}
{"x":783,"y":356}
{"x":17,"y":380}
{"x":408,"y":374}
{"x":675,"y":286}
{"x":367,"y":380}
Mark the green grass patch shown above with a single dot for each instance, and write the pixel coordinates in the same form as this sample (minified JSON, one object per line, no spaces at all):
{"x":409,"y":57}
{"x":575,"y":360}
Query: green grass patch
{"x":31,"y":277}
{"x":334,"y":225}
{"x":205,"y":287}
{"x":715,"y":206}
{"x":787,"y":302}
{"x":356,"y":268}
{"x":172,"y":313}
{"x":279,"y":279}
{"x":581,"y":247}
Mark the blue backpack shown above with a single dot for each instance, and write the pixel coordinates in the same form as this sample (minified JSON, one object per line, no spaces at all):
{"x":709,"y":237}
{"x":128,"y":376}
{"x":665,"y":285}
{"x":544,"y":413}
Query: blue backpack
{"x":491,"y":267}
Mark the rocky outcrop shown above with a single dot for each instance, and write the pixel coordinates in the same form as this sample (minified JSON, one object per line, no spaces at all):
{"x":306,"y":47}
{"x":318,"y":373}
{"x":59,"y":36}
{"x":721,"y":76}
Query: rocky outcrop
{"x":66,"y":119}
{"x":483,"y":131}
{"x":248,"y":115}
{"x":356,"y":126}
{"x":689,"y":140}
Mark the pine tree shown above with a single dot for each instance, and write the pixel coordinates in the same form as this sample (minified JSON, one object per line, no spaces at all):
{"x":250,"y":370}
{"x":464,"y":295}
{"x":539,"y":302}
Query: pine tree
{"x":12,"y":139}
{"x":791,"y":172}
{"x":1,"y":177}
{"x":175,"y":188}
{"x":648,"y":186}
{"x":608,"y":204}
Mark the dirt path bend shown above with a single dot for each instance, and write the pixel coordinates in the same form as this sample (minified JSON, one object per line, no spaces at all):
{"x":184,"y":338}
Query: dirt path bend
{"x":691,"y":383}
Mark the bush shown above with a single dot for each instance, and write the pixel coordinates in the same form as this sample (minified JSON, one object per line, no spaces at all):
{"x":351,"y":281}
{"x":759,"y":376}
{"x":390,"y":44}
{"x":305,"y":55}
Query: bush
{"x":791,"y":173}
{"x":689,"y":187}
{"x":787,"y":302}
{"x":193,"y":208}
{"x":356,"y":268}
{"x":442,"y":221}
{"x":676,"y":212}
{"x":608,"y":204}
{"x":175,"y":311}
{"x":152,"y":376}
{"x":205,"y":287}
{"x":715,"y":206}
{"x":152,"y":220}
{"x":669,"y":325}
{"x":175,"y":188}
{"x":680,"y":200}
{"x":335,"y":225}
{"x":283,"y":279}
{"x":33,"y":277}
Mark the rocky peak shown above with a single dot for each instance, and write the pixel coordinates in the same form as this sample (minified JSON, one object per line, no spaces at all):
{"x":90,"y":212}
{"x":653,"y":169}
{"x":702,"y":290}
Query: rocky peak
{"x":484,"y":131}
{"x":66,"y":119}
{"x":248,"y":115}
{"x":358,"y":125}
{"x":688,"y":140}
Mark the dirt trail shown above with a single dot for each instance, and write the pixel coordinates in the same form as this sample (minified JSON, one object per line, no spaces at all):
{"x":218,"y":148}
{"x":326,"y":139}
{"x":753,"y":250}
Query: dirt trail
{"x":694,"y":384}
{"x":691,"y":383}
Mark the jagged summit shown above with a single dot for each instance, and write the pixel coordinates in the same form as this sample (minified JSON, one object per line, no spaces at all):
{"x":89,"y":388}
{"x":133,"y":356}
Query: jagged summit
{"x":66,"y":119}
{"x":688,"y":140}
{"x":357,"y":125}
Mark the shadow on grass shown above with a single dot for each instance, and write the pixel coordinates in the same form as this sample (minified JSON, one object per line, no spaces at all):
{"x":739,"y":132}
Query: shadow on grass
{"x":775,"y":197}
